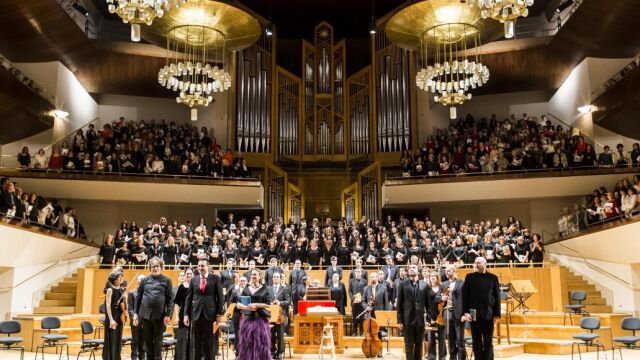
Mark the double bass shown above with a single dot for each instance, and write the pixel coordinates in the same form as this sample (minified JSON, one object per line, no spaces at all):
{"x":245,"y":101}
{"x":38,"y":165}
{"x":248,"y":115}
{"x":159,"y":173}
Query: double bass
{"x":371,"y":345}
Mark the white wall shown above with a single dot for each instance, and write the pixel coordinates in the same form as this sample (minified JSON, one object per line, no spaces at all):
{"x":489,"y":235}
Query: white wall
{"x":69,"y":95}
{"x":23,"y":287}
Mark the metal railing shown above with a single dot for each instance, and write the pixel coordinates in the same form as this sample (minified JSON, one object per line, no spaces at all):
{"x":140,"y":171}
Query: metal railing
{"x":558,"y":236}
{"x":616,"y":78}
{"x":551,"y":28}
{"x":49,"y":230}
{"x":29,"y":82}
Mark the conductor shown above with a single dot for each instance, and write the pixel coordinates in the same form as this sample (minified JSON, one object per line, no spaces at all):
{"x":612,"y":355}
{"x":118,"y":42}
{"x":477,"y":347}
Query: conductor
{"x":481,"y":306}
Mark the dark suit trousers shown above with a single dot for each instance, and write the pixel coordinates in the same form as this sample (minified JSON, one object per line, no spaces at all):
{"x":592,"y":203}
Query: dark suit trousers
{"x":413,"y":338}
{"x":137,"y":343}
{"x":456,"y":340}
{"x":439,"y":337}
{"x":152,"y":331}
{"x":277,"y":339}
{"x":356,"y":309}
{"x":202,"y":339}
{"x":482,"y":334}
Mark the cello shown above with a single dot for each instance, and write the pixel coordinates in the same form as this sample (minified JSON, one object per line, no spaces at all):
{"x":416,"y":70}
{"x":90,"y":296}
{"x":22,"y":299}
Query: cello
{"x":371,"y":345}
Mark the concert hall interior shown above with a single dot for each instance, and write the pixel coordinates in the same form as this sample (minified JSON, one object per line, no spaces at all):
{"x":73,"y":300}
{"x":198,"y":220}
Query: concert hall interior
{"x":419,"y":179}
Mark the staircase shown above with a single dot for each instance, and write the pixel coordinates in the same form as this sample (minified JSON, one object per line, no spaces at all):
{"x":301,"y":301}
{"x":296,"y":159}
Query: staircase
{"x":60,"y":299}
{"x":547,"y":333}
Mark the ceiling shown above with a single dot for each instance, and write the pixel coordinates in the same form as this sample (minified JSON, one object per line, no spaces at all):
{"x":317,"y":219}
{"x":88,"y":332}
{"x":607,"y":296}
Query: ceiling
{"x":39,"y":31}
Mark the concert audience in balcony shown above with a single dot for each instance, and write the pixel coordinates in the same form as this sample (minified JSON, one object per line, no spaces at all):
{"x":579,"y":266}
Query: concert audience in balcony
{"x":489,"y":145}
{"x":141,"y":147}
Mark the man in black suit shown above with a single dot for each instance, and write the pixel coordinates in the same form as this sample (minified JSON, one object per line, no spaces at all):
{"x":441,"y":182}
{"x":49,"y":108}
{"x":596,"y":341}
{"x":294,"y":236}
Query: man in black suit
{"x":233,"y":295}
{"x":453,"y":314}
{"x":481,"y":294}
{"x":356,"y":294}
{"x":154,"y":303}
{"x":412,"y":307}
{"x":297,"y":274}
{"x":390,"y":269}
{"x":332,"y":269}
{"x":364,"y":271}
{"x":378,"y":293}
{"x":226,"y":275}
{"x":279,"y":294}
{"x":298,"y":292}
{"x":273,"y":269}
{"x":137,"y":345}
{"x":204,"y":305}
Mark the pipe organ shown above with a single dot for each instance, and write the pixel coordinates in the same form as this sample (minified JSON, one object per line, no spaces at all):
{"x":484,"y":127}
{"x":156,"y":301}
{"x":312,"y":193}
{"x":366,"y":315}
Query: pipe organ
{"x":369,"y":186}
{"x":253,"y":96}
{"x":359,"y":110}
{"x":393,"y":89}
{"x":288,"y":109}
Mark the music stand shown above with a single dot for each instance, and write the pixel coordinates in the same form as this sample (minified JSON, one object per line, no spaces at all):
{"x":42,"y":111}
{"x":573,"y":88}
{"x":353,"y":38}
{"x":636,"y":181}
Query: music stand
{"x":522,"y":290}
{"x":390,"y":319}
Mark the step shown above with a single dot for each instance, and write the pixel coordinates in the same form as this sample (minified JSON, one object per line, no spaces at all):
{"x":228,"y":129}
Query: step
{"x":595,"y":301}
{"x":598,"y":309}
{"x":48,"y":303}
{"x":59,"y":296}
{"x":544,"y":346}
{"x":556,"y":318}
{"x":583,"y":287}
{"x":505,"y":350}
{"x":68,"y":283}
{"x":63,"y":289}
{"x":54,"y":310}
{"x":558,"y":332}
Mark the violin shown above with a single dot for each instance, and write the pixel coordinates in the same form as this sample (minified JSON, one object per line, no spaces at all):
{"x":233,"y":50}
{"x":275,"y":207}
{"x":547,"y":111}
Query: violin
{"x":371,"y":345}
{"x":122,"y":302}
{"x":441,"y":305}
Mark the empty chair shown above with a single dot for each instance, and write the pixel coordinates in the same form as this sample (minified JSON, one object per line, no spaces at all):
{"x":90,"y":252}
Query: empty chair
{"x":52,"y":340}
{"x":88,"y":344}
{"x":575,"y":309}
{"x":10,"y":342}
{"x":589,"y":339}
{"x":628,"y":342}
{"x":101,"y":320}
{"x":227,"y":335}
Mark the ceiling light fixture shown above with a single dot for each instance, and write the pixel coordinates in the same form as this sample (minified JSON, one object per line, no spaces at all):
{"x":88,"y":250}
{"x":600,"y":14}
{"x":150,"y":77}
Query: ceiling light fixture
{"x":138,"y":12}
{"x":505,"y":11}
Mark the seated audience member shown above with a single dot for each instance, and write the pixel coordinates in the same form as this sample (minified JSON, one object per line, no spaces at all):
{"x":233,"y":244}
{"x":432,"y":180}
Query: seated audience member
{"x":24,"y":158}
{"x":621,"y":157}
{"x":40,"y":161}
{"x":605,"y":159}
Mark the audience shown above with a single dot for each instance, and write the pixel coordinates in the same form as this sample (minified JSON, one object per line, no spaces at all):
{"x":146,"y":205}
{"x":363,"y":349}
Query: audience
{"x":489,"y":145}
{"x":31,"y":208}
{"x":255,"y":243}
{"x":140,"y":147}
{"x":600,"y":206}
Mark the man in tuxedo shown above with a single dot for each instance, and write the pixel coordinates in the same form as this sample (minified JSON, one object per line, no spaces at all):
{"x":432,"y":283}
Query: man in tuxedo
{"x":481,"y":294}
{"x":154,"y":303}
{"x":297,"y":274}
{"x":279,"y":294}
{"x":412,"y":306}
{"x":356,"y":294}
{"x":137,"y":345}
{"x":453,"y":314}
{"x":273,"y":269}
{"x":378,"y":293}
{"x":203,"y":306}
{"x":226,"y":275}
{"x":333,"y":269}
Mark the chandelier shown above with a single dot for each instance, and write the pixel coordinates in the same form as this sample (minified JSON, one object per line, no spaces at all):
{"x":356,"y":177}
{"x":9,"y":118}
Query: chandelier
{"x":453,"y":69}
{"x":188,"y":71}
{"x":505,"y":11}
{"x":138,"y":12}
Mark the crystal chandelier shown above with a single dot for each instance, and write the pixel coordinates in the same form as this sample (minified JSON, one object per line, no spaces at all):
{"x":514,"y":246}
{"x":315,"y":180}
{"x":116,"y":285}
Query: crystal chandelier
{"x":453,"y":68}
{"x":138,"y":12}
{"x":188,"y":71}
{"x":505,"y":11}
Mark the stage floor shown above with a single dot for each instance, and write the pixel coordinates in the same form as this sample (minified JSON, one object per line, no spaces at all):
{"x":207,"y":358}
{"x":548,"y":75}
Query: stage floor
{"x":357,"y":354}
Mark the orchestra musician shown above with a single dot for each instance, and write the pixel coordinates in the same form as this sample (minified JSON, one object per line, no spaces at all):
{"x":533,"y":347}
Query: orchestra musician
{"x":434,"y":292}
{"x":273,"y":269}
{"x":137,"y":344}
{"x":113,"y":322}
{"x":453,"y":314}
{"x":413,"y":304}
{"x":333,"y":269}
{"x":356,"y":294}
{"x":365,"y":275}
{"x":297,"y":274}
{"x":378,"y":293}
{"x":233,"y":296}
{"x":226,"y":275}
{"x":279,"y":294}
{"x":338,"y":293}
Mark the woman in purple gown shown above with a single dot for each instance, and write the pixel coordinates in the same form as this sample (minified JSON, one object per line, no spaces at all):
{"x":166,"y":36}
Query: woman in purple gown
{"x":255,"y":334}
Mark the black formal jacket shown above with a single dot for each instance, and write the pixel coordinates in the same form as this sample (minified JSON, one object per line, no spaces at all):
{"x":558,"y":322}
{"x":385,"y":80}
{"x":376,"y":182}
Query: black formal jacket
{"x":329,"y":274}
{"x":131,"y":302}
{"x":456,"y":297}
{"x":204,"y":305}
{"x":298,"y":291}
{"x":412,"y":304}
{"x":356,"y":286}
{"x":233,"y":295}
{"x":226,"y":276}
{"x":268,"y":275}
{"x":381,"y":298}
{"x":283,"y":295}
{"x":363,"y":272}
{"x":295,"y":277}
{"x":155,"y":298}
{"x":339,"y":295}
{"x":481,"y":292}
